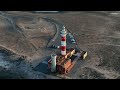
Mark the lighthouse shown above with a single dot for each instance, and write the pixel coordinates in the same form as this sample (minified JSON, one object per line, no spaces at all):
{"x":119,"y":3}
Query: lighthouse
{"x":63,"y":41}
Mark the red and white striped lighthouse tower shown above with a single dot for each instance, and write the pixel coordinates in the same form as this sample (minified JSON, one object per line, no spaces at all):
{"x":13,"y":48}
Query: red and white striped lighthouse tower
{"x":63,"y":41}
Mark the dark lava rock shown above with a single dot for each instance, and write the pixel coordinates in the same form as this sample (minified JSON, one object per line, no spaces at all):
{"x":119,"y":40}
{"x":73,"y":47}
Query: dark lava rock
{"x":89,"y":73}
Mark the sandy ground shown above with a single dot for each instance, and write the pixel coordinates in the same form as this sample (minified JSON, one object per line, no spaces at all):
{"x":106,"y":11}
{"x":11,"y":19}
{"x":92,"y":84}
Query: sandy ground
{"x":96,"y":32}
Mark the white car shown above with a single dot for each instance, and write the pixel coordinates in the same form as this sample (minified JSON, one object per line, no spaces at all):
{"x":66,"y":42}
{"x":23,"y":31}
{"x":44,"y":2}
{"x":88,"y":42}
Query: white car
{"x":58,"y":46}
{"x":72,"y":40}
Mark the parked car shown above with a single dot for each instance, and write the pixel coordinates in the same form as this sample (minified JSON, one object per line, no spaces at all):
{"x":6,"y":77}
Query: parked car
{"x":55,"y":47}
